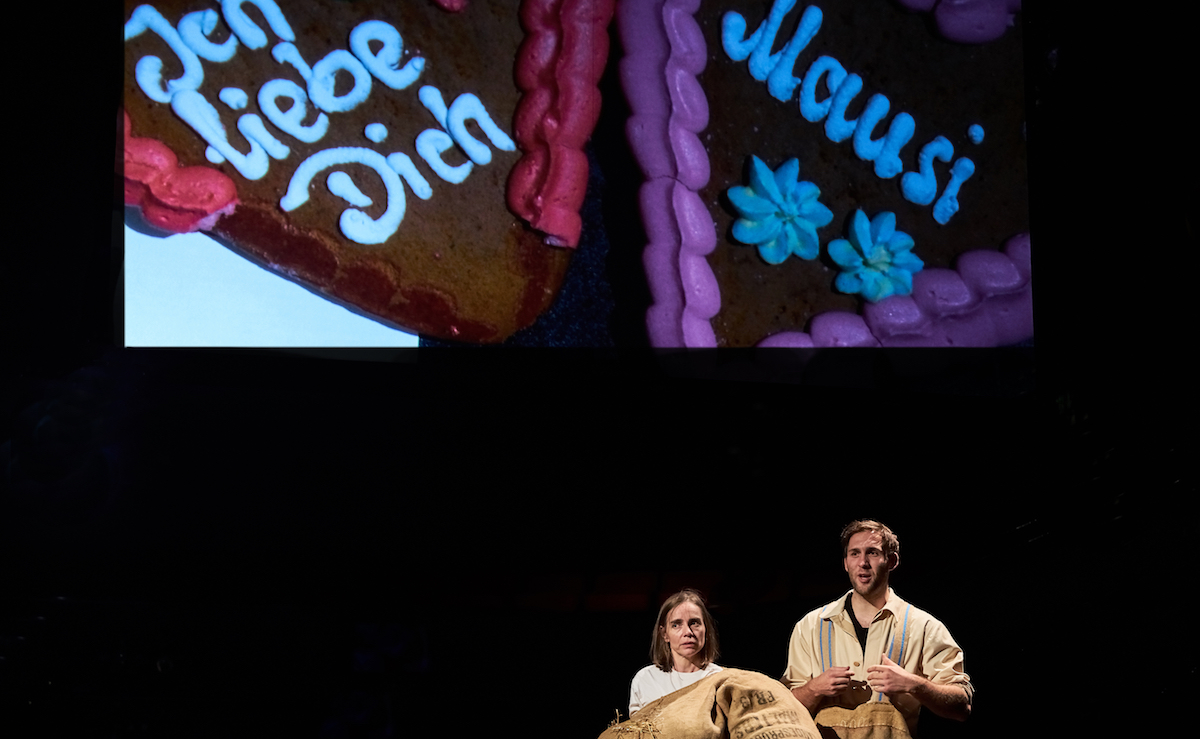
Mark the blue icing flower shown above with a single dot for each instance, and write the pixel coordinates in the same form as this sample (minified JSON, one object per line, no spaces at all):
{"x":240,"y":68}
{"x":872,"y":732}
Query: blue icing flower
{"x":779,"y":213}
{"x":877,"y":261}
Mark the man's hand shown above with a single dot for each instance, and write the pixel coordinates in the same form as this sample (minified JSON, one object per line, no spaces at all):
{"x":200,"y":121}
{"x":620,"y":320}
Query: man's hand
{"x":890,"y":678}
{"x":947,"y":701}
{"x":829,"y":683}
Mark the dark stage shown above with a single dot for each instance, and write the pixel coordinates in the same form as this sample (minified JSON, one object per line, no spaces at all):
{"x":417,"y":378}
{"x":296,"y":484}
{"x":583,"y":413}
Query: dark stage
{"x":457,"y":541}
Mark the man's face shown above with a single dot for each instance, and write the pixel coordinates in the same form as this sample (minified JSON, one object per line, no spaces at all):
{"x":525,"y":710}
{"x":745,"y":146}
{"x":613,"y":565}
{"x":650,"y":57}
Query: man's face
{"x":867,"y":565}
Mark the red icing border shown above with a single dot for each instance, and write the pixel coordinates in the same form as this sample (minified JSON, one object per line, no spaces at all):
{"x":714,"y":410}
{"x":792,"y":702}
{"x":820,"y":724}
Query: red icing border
{"x":172,"y":198}
{"x":558,"y":69}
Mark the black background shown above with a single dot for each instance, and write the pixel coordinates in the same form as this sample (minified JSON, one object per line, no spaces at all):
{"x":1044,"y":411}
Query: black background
{"x":339,"y":544}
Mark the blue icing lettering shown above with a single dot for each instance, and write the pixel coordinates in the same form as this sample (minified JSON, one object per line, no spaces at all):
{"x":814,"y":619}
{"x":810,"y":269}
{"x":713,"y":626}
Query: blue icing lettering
{"x":836,"y":74}
{"x":340,"y":184}
{"x":406,"y":169}
{"x":758,"y":46}
{"x":900,"y":132}
{"x":321,"y":86}
{"x":148,"y":71}
{"x":430,"y":144}
{"x":376,"y":132}
{"x":465,"y":107}
{"x":865,"y":147}
{"x":191,"y":41}
{"x":468,"y":107}
{"x":733,"y":28}
{"x":194,"y":29}
{"x":384,"y":64}
{"x":291,"y":121}
{"x":204,"y":119}
{"x":247,"y":31}
{"x":837,"y":128}
{"x":355,"y":225}
{"x":253,"y":129}
{"x":234,"y":97}
{"x":286,"y":52}
{"x":431,"y":98}
{"x":776,"y":70}
{"x":885,"y":152}
{"x":947,"y":204}
{"x":780,"y":82}
{"x":920,"y":188}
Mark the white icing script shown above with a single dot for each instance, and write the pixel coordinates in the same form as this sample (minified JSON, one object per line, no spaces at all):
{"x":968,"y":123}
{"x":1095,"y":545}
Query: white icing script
{"x":776,"y":70}
{"x":247,"y":31}
{"x":191,"y":42}
{"x":377,"y":132}
{"x":234,"y":97}
{"x":195,"y":28}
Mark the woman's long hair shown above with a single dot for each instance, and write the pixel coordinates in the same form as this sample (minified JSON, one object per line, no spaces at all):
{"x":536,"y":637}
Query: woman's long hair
{"x":660,"y":651}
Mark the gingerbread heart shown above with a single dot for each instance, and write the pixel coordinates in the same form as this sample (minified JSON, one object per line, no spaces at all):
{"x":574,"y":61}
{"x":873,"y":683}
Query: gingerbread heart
{"x":420,"y":162}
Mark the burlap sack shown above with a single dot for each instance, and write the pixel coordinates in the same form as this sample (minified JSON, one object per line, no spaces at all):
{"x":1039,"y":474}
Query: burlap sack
{"x":731,"y":704}
{"x":865,"y":721}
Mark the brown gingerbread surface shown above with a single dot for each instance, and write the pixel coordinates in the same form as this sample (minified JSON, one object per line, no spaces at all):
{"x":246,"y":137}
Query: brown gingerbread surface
{"x":460,"y":265}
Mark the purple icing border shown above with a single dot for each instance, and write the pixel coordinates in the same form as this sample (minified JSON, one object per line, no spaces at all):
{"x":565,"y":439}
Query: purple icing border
{"x":988,"y":301}
{"x":968,"y":21}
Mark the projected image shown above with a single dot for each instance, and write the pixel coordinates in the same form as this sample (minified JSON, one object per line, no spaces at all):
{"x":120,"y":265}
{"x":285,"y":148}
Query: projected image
{"x":833,"y":173}
{"x":367,"y":151}
{"x":770,"y":173}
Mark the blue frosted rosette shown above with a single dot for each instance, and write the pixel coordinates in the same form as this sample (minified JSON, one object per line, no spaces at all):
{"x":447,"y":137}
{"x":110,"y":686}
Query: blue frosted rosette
{"x":877,"y":260}
{"x":778,"y":213}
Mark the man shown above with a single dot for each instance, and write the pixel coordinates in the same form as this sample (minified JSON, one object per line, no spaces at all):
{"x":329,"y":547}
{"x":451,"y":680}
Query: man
{"x":859,"y":660}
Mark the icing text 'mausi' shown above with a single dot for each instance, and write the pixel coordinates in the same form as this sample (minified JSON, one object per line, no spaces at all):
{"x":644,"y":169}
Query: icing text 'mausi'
{"x":776,"y":70}
{"x":190,"y":41}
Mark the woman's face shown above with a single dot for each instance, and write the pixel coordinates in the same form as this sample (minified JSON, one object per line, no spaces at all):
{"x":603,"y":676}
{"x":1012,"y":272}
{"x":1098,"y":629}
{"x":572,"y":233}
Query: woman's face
{"x":684,"y":632}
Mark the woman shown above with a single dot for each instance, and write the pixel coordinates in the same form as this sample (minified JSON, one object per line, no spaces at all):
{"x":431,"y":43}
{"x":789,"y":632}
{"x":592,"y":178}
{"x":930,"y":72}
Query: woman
{"x":683,"y":648}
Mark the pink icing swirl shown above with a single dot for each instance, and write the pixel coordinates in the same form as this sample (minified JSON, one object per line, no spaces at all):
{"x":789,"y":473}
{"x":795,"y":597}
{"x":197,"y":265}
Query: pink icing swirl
{"x":558,"y":69}
{"x":174,"y":199}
